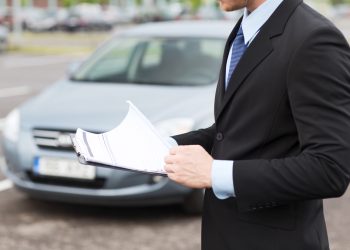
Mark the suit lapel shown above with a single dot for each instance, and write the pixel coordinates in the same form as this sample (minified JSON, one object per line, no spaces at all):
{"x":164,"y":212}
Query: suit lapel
{"x":259,"y":49}
{"x":220,"y":90}
{"x":255,"y":54}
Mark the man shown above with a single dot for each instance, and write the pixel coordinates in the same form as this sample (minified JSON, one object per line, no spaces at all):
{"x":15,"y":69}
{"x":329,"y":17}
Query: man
{"x":281,"y":138}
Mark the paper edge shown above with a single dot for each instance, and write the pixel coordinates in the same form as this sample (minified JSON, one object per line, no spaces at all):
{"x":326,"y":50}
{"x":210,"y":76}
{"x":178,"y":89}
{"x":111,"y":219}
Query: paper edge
{"x":149,"y":123}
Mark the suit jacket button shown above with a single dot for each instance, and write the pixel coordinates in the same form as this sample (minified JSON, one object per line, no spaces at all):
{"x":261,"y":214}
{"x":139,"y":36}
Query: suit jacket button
{"x":219,"y":136}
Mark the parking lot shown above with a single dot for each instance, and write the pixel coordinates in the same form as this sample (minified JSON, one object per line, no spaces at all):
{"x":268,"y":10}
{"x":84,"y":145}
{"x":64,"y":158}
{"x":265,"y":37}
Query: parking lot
{"x":30,"y":224}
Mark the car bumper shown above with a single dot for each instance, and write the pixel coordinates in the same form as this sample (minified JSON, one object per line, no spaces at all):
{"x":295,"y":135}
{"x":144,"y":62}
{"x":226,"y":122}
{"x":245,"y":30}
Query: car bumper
{"x":164,"y":192}
{"x":118,"y":188}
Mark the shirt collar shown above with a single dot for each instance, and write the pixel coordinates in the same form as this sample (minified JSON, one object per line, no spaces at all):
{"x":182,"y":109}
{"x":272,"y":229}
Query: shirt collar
{"x":252,"y":22}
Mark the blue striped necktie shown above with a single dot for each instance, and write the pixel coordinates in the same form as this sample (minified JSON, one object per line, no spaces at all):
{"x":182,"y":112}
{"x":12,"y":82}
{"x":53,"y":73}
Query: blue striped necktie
{"x":238,"y":48}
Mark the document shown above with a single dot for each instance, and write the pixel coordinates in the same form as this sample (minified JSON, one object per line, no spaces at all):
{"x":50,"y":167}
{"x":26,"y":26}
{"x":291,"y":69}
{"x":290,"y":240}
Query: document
{"x":133,"y":145}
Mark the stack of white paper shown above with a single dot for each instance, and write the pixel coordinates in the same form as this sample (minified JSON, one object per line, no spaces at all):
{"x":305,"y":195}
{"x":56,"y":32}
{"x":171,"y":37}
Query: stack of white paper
{"x":134,"y":144}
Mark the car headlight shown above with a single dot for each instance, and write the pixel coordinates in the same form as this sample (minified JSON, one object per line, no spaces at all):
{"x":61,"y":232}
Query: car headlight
{"x":174,"y":126}
{"x":11,"y":127}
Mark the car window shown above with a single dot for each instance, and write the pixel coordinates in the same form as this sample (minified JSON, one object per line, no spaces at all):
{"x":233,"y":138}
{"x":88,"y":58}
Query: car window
{"x":153,"y":55}
{"x":110,"y":60}
{"x":166,"y":61}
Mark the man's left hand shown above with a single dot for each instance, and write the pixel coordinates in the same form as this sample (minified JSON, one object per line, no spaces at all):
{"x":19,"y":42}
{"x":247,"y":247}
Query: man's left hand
{"x":189,"y":166}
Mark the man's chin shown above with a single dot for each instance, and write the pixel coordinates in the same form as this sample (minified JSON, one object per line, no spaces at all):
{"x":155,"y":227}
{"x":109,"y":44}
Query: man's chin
{"x":230,"y":7}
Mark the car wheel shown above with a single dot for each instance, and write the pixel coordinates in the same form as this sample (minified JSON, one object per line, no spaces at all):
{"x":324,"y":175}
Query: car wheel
{"x":193,"y":203}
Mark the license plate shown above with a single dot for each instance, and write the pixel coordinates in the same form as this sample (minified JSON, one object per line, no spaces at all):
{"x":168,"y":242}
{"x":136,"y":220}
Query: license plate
{"x":63,"y":168}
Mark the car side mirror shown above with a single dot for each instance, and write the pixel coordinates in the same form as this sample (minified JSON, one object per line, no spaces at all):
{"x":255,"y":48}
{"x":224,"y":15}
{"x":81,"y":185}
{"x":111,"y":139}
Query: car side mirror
{"x":73,"y":67}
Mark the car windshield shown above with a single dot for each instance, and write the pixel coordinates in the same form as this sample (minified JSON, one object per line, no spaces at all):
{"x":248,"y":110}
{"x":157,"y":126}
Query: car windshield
{"x":161,"y":61}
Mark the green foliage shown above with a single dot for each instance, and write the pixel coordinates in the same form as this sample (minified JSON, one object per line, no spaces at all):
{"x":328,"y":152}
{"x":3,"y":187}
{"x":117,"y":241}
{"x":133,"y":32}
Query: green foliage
{"x":196,"y":4}
{"x":138,"y":2}
{"x":336,"y":2}
{"x":69,"y":3}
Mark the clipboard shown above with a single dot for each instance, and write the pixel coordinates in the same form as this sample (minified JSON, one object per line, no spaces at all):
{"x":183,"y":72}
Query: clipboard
{"x":83,"y":161}
{"x":134,"y":122}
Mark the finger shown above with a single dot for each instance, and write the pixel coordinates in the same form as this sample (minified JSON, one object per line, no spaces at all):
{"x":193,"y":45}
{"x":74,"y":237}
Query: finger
{"x":173,"y":177}
{"x":180,"y":150}
{"x":169,"y":168}
{"x":169,"y":159}
{"x":173,"y":159}
{"x":174,"y":150}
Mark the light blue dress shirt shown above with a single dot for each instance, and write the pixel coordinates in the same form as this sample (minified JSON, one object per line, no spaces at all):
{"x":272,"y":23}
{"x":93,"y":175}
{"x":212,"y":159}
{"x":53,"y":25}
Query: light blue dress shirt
{"x":222,"y":170}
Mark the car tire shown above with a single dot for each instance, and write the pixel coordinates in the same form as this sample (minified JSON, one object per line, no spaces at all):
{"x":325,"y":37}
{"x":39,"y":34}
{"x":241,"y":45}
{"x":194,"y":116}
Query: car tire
{"x":193,"y":203}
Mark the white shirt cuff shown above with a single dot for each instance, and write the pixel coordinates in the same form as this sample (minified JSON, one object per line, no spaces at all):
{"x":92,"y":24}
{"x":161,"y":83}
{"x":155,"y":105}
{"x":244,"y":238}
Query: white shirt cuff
{"x":222,"y":179}
{"x":172,"y":141}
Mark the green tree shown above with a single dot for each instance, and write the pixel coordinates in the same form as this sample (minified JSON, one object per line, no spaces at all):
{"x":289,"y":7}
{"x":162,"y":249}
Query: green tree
{"x":194,"y":4}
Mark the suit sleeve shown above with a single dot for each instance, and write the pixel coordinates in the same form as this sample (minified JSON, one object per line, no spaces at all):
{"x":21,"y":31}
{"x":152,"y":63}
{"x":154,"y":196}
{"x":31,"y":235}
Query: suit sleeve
{"x":203,"y":137}
{"x":318,"y":89}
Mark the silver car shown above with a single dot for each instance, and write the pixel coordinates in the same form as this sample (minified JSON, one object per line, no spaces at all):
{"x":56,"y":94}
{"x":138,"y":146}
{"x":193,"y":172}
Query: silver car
{"x":169,"y":70}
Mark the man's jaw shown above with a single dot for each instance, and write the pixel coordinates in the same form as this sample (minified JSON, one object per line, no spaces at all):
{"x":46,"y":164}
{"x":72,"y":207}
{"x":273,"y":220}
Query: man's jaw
{"x":231,"y":5}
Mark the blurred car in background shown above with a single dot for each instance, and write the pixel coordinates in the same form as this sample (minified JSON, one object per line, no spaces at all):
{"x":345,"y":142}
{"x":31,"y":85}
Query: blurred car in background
{"x":3,"y":38}
{"x":174,"y":10}
{"x":6,"y":18}
{"x":209,"y":12}
{"x":160,"y":13}
{"x":341,"y":11}
{"x":169,"y":70}
{"x":87,"y":17}
{"x":39,"y":20}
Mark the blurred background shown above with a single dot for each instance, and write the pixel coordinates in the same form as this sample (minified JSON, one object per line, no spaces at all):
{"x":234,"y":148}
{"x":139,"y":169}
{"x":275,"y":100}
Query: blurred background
{"x":24,"y":24}
{"x":28,"y":22}
{"x":46,"y":65}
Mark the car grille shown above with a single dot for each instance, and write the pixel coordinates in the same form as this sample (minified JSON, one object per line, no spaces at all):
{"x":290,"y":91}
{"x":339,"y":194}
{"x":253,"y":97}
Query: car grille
{"x":93,"y":184}
{"x":53,"y":139}
{"x":59,"y":140}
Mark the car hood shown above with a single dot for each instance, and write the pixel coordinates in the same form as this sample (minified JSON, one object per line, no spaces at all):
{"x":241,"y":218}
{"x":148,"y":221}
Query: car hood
{"x":100,"y":107}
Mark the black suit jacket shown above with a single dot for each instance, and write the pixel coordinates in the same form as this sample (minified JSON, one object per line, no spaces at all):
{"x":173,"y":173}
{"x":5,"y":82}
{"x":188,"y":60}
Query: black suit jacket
{"x":285,"y":121}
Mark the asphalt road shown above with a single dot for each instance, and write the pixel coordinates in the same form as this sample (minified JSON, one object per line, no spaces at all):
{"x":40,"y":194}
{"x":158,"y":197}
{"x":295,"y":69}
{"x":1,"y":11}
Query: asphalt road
{"x":28,"y":224}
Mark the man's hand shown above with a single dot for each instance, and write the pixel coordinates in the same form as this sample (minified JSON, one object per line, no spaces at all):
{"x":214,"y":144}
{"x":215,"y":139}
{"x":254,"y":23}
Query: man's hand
{"x":189,"y":166}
